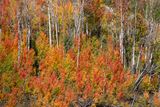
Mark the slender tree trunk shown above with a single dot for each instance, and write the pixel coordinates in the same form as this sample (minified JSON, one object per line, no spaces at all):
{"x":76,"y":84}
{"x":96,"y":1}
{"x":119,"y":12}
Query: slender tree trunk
{"x":138,"y":59}
{"x":78,"y":53}
{"x":27,"y":22}
{"x":53,"y":33}
{"x":146,"y":53}
{"x":28,"y":34}
{"x":29,"y":37}
{"x":78,"y":17}
{"x":19,"y":35}
{"x":49,"y":25}
{"x":133,"y":54}
{"x":56,"y":26}
{"x":77,"y":27}
{"x":121,"y":36}
{"x":52,"y":20}
{"x":134,"y":40}
{"x":146,"y":12}
{"x":87,"y":28}
{"x":82,"y":18}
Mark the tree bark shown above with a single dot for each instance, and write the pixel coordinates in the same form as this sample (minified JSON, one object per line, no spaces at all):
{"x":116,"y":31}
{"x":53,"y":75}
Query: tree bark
{"x":138,"y":59}
{"x":78,"y":17}
{"x":134,"y":40}
{"x":52,"y":20}
{"x":49,"y":25}
{"x":28,"y":33}
{"x":87,"y":28}
{"x":19,"y":34}
{"x":121,"y":36}
{"x":56,"y":26}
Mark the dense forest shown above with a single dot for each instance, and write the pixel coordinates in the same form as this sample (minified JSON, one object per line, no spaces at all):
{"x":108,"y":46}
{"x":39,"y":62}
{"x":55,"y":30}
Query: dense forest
{"x":79,"y":53}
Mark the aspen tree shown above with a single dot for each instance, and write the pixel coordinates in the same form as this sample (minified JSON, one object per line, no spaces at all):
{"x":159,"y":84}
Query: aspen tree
{"x":49,"y":24}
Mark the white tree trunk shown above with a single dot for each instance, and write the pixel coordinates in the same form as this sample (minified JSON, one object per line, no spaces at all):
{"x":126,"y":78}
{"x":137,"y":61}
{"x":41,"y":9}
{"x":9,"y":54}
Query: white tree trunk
{"x":133,"y":54}
{"x":78,"y":21}
{"x":134,"y":40}
{"x":87,"y":28}
{"x":56,"y":26}
{"x":19,"y":35}
{"x":53,"y":26}
{"x":121,"y":36}
{"x":49,"y":25}
{"x":139,"y":56}
{"x":28,"y":37}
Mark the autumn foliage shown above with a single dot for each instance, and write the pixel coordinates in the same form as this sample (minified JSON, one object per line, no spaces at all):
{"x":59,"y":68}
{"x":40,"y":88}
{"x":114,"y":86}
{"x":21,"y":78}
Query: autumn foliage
{"x":59,"y":83}
{"x":57,"y":53}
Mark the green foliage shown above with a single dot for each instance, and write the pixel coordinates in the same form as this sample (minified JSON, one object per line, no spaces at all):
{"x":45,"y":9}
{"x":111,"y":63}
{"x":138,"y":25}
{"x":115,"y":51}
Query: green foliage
{"x":56,"y":91}
{"x":68,"y":42}
{"x":156,"y":11}
{"x":7,"y":64}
